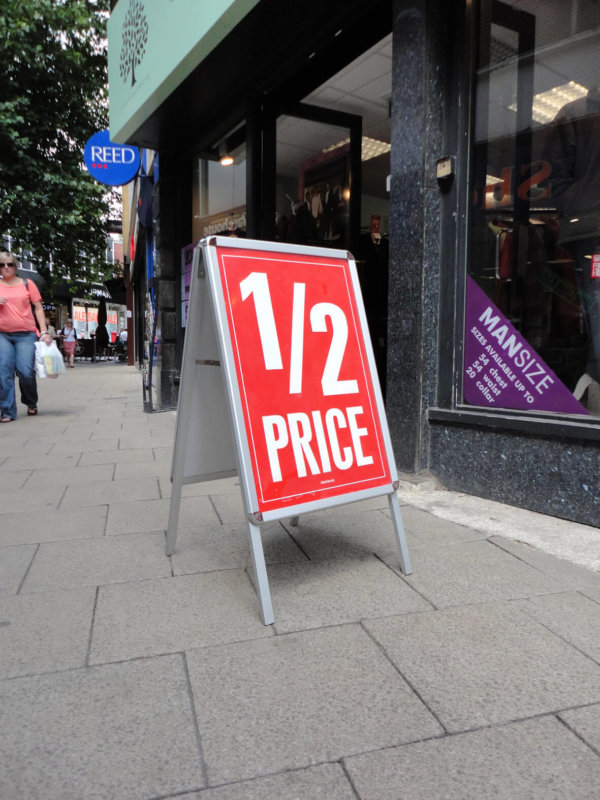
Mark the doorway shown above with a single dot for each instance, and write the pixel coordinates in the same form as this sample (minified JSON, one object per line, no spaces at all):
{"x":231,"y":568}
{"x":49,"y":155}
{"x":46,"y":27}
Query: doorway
{"x":319,"y":174}
{"x":317,"y":177}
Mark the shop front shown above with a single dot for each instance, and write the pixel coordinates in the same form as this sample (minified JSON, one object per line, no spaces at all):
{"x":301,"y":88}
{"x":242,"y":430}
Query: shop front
{"x":523,"y":425}
{"x":85,"y":318}
{"x":450,"y":148}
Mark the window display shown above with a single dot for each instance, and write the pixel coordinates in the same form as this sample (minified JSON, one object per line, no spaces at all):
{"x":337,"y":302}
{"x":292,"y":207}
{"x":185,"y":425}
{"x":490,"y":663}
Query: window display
{"x":312,"y":182}
{"x":219,"y":196}
{"x":532,"y":313}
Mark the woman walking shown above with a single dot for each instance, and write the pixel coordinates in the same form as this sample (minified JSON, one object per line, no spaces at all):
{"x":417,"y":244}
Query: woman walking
{"x":18,"y":335}
{"x":69,"y":337}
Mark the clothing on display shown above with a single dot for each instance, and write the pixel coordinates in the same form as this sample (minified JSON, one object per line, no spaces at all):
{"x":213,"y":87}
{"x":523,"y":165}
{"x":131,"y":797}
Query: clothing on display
{"x":573,"y":150}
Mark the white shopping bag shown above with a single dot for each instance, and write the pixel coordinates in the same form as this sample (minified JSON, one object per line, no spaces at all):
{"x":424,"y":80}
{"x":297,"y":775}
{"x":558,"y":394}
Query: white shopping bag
{"x":48,"y":360}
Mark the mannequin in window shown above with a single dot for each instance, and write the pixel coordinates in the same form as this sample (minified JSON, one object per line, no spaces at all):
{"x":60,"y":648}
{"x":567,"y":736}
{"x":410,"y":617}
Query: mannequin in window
{"x":299,"y":230}
{"x":373,"y":272}
{"x":573,"y":149}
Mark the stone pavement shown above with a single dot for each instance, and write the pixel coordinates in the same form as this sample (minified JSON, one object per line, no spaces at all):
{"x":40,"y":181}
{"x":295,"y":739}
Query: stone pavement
{"x":129,"y":675}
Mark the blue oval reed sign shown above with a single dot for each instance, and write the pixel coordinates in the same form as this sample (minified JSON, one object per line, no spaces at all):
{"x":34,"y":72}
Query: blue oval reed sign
{"x":114,"y":164}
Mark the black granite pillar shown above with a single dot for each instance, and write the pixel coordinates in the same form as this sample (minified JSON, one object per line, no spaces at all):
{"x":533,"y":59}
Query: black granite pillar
{"x":419,"y":53}
{"x":172,"y":232}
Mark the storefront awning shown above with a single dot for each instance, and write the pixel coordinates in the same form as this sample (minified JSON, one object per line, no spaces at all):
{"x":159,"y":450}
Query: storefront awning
{"x":267,"y":53}
{"x":151,"y":50}
{"x":117,"y":290}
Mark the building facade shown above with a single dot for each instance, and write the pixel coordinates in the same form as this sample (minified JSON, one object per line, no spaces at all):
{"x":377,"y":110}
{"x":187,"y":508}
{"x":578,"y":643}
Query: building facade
{"x":451,"y":147}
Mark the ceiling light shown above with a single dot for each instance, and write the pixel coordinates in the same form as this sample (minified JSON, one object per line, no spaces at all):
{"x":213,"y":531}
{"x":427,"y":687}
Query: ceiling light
{"x":225,"y":159}
{"x":547,"y":104}
{"x":370,"y":148}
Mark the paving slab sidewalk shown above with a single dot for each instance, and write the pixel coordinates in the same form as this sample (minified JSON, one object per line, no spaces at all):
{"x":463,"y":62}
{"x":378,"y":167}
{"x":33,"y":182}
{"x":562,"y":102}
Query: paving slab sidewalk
{"x":131,"y":675}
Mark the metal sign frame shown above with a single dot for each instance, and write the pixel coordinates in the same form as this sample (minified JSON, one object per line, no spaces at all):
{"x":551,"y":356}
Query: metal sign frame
{"x":210,"y":390}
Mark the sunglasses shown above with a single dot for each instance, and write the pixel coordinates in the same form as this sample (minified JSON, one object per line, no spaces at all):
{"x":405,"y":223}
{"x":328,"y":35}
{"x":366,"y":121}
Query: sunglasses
{"x":6,"y":264}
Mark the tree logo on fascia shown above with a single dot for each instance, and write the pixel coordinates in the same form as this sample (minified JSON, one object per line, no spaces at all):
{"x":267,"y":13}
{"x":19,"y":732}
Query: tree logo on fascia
{"x":135,"y":37}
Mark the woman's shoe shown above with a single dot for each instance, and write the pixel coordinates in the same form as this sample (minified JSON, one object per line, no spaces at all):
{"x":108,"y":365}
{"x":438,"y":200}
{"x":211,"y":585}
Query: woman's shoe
{"x":31,"y":412}
{"x":6,"y":419}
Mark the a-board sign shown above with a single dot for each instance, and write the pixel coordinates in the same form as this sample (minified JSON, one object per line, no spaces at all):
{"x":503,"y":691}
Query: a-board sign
{"x":277,"y":339}
{"x":303,"y":377}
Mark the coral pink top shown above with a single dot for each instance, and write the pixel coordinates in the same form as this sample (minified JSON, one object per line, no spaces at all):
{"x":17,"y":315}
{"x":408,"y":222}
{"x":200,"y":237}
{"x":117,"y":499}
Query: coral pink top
{"x":16,"y":313}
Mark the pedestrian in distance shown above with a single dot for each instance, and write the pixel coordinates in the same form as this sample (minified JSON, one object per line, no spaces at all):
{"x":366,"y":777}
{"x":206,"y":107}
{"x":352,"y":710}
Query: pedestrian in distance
{"x":18,"y":335}
{"x":69,"y":339}
{"x":50,"y":328}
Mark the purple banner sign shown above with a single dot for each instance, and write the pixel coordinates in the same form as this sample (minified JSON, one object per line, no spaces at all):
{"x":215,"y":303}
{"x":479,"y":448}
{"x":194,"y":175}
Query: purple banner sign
{"x":501,"y":367}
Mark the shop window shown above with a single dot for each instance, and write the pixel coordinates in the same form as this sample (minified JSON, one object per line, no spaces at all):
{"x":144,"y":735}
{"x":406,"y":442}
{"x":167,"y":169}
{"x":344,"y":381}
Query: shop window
{"x":219,"y":196}
{"x":218,"y":207}
{"x":313,"y":176}
{"x":532,"y":312}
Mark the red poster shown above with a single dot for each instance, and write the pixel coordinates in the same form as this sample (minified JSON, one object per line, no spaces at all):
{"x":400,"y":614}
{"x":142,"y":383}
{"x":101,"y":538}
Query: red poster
{"x":305,"y":385}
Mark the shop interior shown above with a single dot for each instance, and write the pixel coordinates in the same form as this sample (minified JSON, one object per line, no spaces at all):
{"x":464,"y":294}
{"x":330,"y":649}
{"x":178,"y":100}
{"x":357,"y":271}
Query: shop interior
{"x":331,"y":178}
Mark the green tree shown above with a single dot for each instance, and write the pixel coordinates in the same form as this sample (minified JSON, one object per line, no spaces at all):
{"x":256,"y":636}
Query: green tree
{"x":53,"y":97}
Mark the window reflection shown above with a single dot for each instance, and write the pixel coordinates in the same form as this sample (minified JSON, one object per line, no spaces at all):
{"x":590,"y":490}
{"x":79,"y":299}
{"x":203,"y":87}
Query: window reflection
{"x":219,"y":199}
{"x":534,"y":245}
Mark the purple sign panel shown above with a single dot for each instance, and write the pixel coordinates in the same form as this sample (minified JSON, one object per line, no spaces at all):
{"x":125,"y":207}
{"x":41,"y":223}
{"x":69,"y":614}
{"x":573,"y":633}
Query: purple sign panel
{"x":501,"y":367}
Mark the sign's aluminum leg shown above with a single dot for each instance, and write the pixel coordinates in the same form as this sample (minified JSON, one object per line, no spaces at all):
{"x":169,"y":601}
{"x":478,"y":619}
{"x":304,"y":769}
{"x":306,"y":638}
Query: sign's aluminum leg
{"x":403,"y":555}
{"x":260,"y":579}
{"x":173,"y":517}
